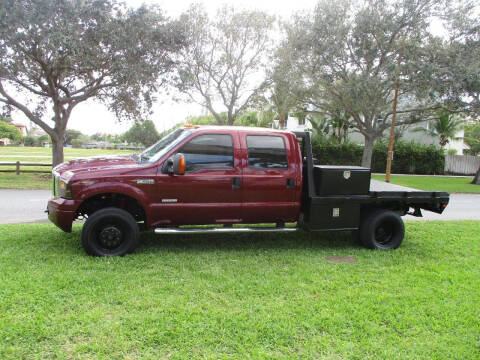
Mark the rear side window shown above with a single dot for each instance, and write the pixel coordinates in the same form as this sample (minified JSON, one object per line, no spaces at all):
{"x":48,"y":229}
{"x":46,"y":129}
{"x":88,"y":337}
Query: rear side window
{"x":266,"y":152}
{"x":213,"y":151}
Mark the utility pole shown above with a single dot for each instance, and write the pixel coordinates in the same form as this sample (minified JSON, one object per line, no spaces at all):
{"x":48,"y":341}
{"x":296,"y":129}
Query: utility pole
{"x":392,"y":126}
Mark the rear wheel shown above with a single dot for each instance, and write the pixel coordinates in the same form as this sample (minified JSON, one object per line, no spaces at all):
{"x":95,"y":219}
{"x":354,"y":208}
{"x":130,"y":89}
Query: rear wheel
{"x":110,"y":232}
{"x":382,"y":229}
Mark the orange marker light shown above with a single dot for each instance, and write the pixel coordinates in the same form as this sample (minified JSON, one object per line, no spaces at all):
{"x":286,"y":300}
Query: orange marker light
{"x":181,"y":165}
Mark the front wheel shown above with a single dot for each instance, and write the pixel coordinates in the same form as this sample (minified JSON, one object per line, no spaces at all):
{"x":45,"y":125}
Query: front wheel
{"x":382,"y":229}
{"x":110,"y":232}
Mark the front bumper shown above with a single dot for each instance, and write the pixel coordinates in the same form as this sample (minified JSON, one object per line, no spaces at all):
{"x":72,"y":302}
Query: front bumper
{"x":62,"y":212}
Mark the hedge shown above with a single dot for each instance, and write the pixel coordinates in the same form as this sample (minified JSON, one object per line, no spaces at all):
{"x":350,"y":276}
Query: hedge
{"x":408,"y":158}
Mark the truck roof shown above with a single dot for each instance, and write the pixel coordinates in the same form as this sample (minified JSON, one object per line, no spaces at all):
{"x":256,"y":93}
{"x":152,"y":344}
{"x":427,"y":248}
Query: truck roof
{"x":236,"y":128}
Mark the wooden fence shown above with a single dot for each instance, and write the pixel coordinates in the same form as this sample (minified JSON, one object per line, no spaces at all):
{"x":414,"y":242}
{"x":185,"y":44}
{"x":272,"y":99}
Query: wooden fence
{"x":18,"y":167}
{"x":461,"y":164}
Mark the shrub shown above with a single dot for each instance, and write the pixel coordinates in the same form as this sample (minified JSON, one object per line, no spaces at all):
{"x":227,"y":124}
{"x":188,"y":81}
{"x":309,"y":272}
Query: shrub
{"x":408,"y":158}
{"x":30,"y":140}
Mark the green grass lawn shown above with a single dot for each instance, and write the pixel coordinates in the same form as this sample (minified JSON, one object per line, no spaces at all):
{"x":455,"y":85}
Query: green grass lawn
{"x":243,"y":296}
{"x":32,"y":181}
{"x":40,"y":155}
{"x":450,"y":184}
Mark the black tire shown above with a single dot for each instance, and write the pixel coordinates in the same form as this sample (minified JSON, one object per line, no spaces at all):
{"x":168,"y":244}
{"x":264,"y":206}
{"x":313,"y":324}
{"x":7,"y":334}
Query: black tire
{"x":382,"y":229}
{"x":110,"y":232}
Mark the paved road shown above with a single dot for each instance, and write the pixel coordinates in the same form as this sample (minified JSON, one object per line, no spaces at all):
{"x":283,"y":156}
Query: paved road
{"x":460,"y":207}
{"x":19,"y":206}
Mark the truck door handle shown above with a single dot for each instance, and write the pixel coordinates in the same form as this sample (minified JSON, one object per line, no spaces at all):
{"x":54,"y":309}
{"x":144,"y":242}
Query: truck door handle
{"x":290,"y":183}
{"x":235,"y":183}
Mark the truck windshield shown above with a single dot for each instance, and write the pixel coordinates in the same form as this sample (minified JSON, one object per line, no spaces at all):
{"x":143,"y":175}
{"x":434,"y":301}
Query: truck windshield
{"x":157,"y":150}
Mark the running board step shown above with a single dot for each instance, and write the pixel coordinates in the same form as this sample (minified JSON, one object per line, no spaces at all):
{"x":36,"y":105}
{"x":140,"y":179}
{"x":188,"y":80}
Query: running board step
{"x":222,"y":230}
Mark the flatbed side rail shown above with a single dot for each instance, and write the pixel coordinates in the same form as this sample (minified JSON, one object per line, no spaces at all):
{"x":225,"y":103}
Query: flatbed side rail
{"x":431,"y":201}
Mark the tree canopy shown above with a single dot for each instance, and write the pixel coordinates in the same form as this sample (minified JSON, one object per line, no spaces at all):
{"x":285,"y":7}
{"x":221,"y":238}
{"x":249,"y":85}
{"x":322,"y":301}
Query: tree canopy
{"x":143,"y":133}
{"x":9,"y":131}
{"x":472,"y":137}
{"x":350,"y":56}
{"x":222,"y":67}
{"x":55,"y":55}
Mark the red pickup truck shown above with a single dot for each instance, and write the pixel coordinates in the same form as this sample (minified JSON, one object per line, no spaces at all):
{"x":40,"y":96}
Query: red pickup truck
{"x":225,"y":176}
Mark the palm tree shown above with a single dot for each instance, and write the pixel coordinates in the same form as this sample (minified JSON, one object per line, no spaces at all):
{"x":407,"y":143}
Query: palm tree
{"x":446,"y":126}
{"x":320,"y":125}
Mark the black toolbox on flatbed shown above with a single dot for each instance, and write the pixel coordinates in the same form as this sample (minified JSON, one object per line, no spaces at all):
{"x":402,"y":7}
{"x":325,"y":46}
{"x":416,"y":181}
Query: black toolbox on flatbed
{"x":341,"y":180}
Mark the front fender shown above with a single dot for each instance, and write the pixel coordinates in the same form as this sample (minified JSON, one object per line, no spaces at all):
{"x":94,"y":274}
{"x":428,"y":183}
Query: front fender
{"x":114,"y":187}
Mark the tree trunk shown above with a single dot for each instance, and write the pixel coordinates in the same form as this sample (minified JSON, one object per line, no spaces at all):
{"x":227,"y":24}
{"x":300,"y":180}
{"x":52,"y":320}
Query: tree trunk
{"x":367,"y":152}
{"x":57,"y":150}
{"x":476,"y":179}
{"x":230,"y":117}
{"x":282,"y":119}
{"x":219,"y":119}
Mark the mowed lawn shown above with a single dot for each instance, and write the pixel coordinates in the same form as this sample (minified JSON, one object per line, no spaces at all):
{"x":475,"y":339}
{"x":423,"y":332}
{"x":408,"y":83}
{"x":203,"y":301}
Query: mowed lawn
{"x":39,"y":155}
{"x":451,"y":184}
{"x":253,"y":296}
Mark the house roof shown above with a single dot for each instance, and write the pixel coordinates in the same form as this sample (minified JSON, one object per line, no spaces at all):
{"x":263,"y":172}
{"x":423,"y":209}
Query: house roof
{"x":37,"y":132}
{"x":18,"y":125}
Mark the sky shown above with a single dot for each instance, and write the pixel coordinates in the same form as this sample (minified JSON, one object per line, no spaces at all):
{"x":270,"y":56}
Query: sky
{"x":91,"y":117}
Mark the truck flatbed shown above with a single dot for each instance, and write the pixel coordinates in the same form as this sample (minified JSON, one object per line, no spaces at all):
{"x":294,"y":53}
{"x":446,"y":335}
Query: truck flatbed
{"x":339,"y":210}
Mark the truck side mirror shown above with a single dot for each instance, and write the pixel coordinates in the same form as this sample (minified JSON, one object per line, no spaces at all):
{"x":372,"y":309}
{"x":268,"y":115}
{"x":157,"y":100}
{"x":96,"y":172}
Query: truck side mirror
{"x":179,"y":164}
{"x":167,"y":167}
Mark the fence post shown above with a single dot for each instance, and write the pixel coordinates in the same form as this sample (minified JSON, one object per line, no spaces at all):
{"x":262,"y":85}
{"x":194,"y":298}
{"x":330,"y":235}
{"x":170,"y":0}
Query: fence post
{"x":18,"y":167}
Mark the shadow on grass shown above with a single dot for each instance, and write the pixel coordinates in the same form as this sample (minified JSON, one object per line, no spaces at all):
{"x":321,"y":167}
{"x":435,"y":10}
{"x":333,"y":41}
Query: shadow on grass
{"x":150,"y":242}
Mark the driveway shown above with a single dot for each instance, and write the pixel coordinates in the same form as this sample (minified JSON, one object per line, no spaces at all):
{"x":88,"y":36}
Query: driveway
{"x":22,"y":206}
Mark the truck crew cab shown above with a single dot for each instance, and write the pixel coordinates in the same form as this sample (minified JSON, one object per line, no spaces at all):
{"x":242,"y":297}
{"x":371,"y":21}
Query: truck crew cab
{"x":225,"y":176}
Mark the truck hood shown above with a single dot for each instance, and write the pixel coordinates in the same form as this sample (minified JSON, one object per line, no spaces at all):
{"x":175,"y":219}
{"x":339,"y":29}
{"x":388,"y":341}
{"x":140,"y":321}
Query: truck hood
{"x":97,"y":163}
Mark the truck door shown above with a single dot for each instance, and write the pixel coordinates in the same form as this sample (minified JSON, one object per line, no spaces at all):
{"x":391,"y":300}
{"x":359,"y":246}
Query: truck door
{"x":270,"y":178}
{"x":210,"y":191}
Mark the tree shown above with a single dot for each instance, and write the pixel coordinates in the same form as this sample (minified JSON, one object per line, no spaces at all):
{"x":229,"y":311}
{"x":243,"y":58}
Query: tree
{"x":9,"y":131}
{"x":143,"y":133}
{"x":472,"y":138}
{"x":30,"y":140}
{"x":445,"y":126}
{"x":6,"y":119}
{"x":351,"y":55}
{"x":459,"y":59}
{"x":57,"y":54}
{"x":221,"y":69}
{"x":80,"y":141}
{"x":70,"y":135}
{"x":284,"y":86}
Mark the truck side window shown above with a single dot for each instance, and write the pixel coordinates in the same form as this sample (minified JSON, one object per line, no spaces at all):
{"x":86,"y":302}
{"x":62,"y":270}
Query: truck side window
{"x":209,"y":151}
{"x":266,"y":152}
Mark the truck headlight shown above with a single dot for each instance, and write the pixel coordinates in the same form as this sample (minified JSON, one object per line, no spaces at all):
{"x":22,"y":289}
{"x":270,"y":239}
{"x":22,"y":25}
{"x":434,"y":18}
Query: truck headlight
{"x":64,"y":190}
